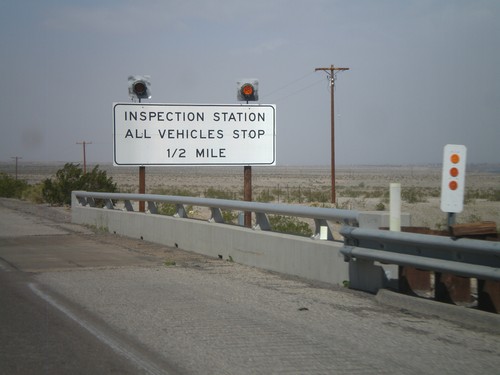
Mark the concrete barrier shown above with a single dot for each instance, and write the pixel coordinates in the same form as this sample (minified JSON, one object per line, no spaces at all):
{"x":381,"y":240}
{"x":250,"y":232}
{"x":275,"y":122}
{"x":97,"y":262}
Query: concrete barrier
{"x":292,"y":255}
{"x":308,"y":258}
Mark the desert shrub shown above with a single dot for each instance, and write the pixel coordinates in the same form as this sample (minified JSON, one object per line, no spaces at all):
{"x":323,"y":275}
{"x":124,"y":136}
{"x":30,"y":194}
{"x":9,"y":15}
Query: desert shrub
{"x":229,"y":216}
{"x":319,"y":196}
{"x":495,"y":196}
{"x":321,"y":204}
{"x":278,"y":192}
{"x":492,"y":195}
{"x":10,"y":187}
{"x":33,"y":193}
{"x":471,"y":194}
{"x":473,"y":218}
{"x":289,"y":225}
{"x":413,"y":195}
{"x":176,"y":191}
{"x":265,"y":196}
{"x":351,"y":192}
{"x":170,"y":209}
{"x":295,"y":195}
{"x":434,"y":192}
{"x":98,"y":180}
{"x":71,"y":177}
{"x":345,"y":205}
{"x":441,"y":225}
{"x":218,"y":193}
{"x":377,"y":193}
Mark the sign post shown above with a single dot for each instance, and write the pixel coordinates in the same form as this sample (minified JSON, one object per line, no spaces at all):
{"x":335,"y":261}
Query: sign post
{"x":247,"y":193}
{"x":139,"y":87}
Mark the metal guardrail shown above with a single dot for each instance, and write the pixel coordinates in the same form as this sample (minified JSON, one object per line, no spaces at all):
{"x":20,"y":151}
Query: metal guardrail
{"x":320,"y":215}
{"x":462,"y":257}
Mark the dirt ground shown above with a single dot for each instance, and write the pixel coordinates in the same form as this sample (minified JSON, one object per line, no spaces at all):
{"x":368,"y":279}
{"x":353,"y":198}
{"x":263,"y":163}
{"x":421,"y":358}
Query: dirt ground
{"x":363,"y":188}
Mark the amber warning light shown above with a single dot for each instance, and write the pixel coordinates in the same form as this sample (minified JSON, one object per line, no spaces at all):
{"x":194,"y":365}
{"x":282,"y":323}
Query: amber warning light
{"x":453,"y":178}
{"x":248,"y":90}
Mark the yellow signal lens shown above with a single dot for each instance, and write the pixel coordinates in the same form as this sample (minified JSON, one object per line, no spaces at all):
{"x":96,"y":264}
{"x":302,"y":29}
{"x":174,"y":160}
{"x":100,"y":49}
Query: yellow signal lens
{"x":453,"y":185}
{"x":455,"y":158}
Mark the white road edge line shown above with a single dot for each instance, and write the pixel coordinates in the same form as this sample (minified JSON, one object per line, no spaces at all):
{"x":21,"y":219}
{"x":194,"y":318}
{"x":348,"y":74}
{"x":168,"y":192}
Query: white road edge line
{"x":111,"y":342}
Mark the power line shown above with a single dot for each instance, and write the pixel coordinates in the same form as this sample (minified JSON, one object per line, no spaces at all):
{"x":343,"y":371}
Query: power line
{"x":288,"y":84}
{"x":298,"y":91}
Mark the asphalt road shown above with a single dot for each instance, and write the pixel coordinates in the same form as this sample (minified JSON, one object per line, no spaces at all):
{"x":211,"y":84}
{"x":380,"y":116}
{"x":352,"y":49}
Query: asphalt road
{"x":38,"y":338}
{"x":76,"y":301}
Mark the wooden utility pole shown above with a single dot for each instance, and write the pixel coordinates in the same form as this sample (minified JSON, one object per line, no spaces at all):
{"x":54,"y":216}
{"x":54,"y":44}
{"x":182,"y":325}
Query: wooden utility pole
{"x":332,"y":75}
{"x":84,"y":143}
{"x":17,"y":158}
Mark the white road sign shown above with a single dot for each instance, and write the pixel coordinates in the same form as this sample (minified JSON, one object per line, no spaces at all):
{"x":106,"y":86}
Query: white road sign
{"x":193,"y":134}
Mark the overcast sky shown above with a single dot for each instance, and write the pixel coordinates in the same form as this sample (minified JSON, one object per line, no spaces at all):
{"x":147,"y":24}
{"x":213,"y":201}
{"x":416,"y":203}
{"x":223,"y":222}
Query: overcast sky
{"x":422,"y":73}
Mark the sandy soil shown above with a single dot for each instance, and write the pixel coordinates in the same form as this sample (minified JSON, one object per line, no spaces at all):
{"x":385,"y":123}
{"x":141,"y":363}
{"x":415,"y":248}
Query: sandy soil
{"x":357,"y":187}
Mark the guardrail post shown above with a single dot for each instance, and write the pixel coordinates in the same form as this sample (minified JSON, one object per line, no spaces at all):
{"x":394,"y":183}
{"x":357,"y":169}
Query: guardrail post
{"x":109,"y":204}
{"x":152,"y":207}
{"x":452,"y":289}
{"x":449,"y":288}
{"x":366,"y":276}
{"x":216,"y":215}
{"x":91,"y":201}
{"x":75,"y":199}
{"x":181,"y":211}
{"x":488,"y":295}
{"x":411,"y":279}
{"x":262,"y":221}
{"x":128,"y":205}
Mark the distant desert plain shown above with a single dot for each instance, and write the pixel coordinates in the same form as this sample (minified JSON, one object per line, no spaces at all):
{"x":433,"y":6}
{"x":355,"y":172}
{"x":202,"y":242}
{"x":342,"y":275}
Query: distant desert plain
{"x":363,"y":188}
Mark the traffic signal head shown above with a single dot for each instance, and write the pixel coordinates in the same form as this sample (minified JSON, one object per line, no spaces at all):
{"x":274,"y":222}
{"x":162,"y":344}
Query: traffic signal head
{"x":139,"y":87}
{"x":453,"y":178}
{"x":248,"y":90}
